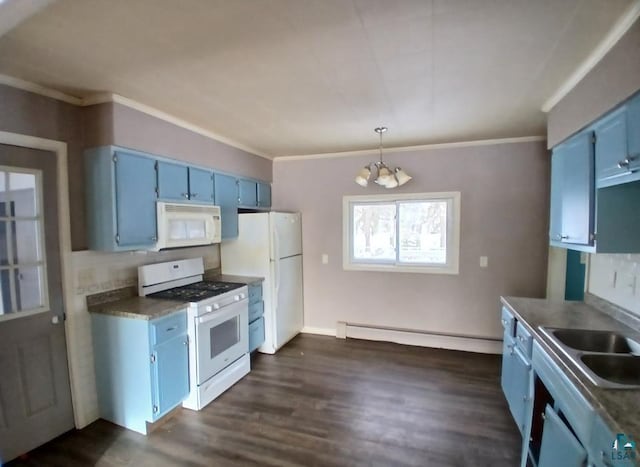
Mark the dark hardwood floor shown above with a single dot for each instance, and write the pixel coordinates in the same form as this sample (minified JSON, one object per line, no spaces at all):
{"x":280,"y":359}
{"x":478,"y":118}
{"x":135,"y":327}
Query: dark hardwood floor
{"x":322,"y":401}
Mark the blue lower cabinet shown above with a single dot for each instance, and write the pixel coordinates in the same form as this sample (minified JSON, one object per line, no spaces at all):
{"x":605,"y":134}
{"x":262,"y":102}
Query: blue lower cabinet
{"x":256,"y":334}
{"x":142,"y":367}
{"x":559,"y":447}
{"x":256,"y":310}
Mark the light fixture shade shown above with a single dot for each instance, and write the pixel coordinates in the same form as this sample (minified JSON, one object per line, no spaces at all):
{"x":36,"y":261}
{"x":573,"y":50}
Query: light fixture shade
{"x":362,"y":178}
{"x":384,"y":175}
{"x":402,"y":176}
{"x":392,"y":182}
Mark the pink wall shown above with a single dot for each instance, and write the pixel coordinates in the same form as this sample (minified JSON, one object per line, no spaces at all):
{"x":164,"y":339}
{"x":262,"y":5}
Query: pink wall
{"x":504,"y":215}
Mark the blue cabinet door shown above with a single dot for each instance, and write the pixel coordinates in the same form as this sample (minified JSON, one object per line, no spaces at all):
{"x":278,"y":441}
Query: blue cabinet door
{"x":135,"y":191}
{"x":226,"y":196}
{"x":264,"y":195}
{"x":611,"y":147}
{"x":555,"y":220}
{"x":173,"y":181}
{"x":633,"y":128}
{"x":256,"y":334}
{"x":247,"y":193}
{"x":559,"y":447}
{"x":201,"y":185}
{"x":170,"y":375}
{"x":578,"y":189}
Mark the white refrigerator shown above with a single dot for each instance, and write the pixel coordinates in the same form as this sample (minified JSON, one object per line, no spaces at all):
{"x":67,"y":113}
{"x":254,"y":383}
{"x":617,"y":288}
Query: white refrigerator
{"x":269,"y":245}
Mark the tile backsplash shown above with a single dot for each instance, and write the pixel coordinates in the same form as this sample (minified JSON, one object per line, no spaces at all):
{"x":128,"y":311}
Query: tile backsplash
{"x":616,"y":278}
{"x":95,"y":272}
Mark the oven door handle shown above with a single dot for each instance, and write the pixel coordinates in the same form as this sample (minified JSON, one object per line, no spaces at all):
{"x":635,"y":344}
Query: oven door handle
{"x":222,"y":314}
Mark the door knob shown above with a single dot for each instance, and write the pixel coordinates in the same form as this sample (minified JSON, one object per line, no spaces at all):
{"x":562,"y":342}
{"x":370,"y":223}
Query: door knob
{"x":55,"y":320}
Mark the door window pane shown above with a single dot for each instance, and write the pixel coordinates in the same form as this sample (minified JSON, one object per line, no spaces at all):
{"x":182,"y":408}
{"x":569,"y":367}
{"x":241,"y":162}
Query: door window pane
{"x":29,"y":285}
{"x":22,"y":258}
{"x":423,"y":232}
{"x":23,"y":194}
{"x":27,"y":242}
{"x":374,"y":232}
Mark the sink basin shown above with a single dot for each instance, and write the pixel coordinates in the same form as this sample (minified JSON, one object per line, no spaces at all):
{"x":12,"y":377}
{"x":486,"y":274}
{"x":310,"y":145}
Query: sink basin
{"x":597,"y":341}
{"x":618,"y":369}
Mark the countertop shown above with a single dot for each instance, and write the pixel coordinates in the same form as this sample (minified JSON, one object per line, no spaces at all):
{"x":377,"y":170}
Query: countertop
{"x":138,"y":307}
{"x":618,"y":408}
{"x":126,"y":303}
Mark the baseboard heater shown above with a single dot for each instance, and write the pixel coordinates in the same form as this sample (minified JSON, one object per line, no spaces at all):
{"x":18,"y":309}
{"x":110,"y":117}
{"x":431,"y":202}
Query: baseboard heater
{"x":419,"y":337}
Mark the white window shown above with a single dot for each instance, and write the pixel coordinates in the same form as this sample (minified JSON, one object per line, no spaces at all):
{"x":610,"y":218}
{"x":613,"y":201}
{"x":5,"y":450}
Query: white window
{"x":23,"y":278}
{"x":406,"y":232}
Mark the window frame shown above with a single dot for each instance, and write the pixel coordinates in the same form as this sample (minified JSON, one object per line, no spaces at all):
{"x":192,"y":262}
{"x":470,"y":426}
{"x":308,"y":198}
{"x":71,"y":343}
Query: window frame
{"x":11,"y":267}
{"x":452,"y":239}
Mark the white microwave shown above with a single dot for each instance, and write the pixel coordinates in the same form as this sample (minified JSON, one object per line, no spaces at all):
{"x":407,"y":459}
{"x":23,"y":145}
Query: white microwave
{"x":182,"y":225}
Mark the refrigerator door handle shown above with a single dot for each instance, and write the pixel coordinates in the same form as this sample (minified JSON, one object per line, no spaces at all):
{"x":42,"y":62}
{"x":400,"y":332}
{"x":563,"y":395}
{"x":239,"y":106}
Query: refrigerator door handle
{"x":276,"y":267}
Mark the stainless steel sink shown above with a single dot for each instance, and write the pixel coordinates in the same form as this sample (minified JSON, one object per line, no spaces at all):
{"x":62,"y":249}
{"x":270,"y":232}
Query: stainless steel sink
{"x":608,"y":358}
{"x":597,"y":341}
{"x":619,"y":369}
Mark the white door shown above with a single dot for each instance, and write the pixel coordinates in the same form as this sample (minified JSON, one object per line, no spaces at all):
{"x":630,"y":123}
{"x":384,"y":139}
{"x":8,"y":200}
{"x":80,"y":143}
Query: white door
{"x":286,"y":234}
{"x":35,"y":397}
{"x":288,"y":308}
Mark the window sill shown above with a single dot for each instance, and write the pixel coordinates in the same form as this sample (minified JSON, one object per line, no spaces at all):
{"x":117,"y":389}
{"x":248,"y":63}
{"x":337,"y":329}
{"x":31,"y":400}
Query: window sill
{"x":449,"y":270}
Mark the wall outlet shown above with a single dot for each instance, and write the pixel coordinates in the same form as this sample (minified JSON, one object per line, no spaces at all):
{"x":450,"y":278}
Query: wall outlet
{"x":484,"y":261}
{"x":325,"y":258}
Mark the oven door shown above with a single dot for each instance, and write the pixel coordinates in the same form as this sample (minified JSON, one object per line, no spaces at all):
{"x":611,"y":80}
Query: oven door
{"x":221,"y":338}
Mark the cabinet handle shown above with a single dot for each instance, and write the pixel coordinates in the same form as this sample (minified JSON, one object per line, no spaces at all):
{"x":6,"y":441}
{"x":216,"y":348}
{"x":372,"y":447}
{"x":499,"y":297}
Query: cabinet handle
{"x":154,"y":239}
{"x":624,"y":164}
{"x":155,"y":409}
{"x":564,"y":237}
{"x":193,"y":195}
{"x":185,"y":195}
{"x":504,"y":322}
{"x":172,"y":328}
{"x":184,"y":343}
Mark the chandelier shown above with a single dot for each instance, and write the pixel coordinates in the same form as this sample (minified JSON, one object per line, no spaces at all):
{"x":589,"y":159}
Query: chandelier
{"x":384,"y":176}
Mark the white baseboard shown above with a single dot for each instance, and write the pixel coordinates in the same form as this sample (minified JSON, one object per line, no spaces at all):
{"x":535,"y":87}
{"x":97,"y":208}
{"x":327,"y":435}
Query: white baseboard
{"x":319,"y":331}
{"x":423,"y":339}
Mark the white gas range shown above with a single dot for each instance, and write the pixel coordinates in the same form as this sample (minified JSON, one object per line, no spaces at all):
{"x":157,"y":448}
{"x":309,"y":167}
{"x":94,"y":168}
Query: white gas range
{"x":217,"y":325}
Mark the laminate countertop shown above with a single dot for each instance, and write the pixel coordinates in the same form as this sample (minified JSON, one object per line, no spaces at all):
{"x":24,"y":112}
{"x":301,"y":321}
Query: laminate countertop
{"x":618,"y":408}
{"x":138,"y":307}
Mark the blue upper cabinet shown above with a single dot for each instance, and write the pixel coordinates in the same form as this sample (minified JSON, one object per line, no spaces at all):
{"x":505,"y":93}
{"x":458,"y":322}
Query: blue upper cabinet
{"x":121,"y":199}
{"x":613,"y":162}
{"x":226,"y":196}
{"x":247,"y":193}
{"x":264,"y":195}
{"x":633,"y":134}
{"x":572,"y":191}
{"x":173,"y":182}
{"x":201,"y":185}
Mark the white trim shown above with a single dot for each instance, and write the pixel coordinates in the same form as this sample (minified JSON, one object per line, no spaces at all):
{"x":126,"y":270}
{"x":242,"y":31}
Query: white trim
{"x":425,"y":339}
{"x":424,"y":147}
{"x":556,"y":273}
{"x":319,"y":331}
{"x":38,"y":89}
{"x":606,"y":44}
{"x":453,"y":234}
{"x":64,"y":230}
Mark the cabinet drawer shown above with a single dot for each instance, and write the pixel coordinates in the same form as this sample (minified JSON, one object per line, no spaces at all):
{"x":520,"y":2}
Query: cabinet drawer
{"x":163,"y":329}
{"x":256,"y":310}
{"x":256,"y":334}
{"x":508,"y":322}
{"x":255,"y":294}
{"x":523,"y":340}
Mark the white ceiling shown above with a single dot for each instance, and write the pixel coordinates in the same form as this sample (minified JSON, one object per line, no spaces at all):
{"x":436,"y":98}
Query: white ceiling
{"x":313,"y":76}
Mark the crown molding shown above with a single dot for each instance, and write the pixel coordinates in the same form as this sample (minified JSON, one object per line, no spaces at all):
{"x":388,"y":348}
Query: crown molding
{"x":40,"y":90}
{"x":617,"y":31}
{"x":104,"y":97}
{"x":424,"y":147}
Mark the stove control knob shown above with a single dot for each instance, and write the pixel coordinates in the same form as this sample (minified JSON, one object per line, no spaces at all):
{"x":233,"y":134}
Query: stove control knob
{"x":236,"y":298}
{"x":208,"y":308}
{"x":216,"y":306}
